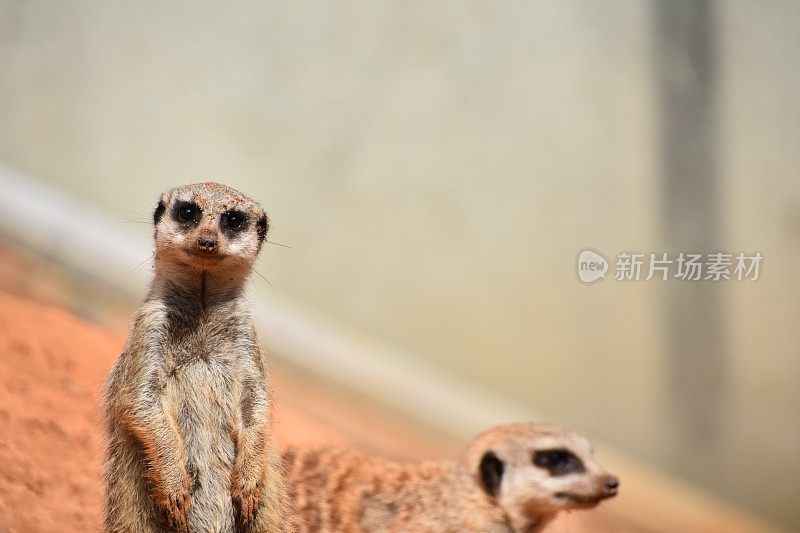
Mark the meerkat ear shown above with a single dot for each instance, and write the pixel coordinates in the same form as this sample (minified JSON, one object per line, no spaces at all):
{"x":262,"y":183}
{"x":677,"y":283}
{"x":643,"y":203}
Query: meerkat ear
{"x":159,"y":212}
{"x":491,"y":472}
{"x":262,"y":226}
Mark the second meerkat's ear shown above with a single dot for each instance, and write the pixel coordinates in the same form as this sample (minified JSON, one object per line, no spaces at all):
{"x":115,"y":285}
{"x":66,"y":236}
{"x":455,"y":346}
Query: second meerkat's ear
{"x":491,"y":472}
{"x":159,"y":212}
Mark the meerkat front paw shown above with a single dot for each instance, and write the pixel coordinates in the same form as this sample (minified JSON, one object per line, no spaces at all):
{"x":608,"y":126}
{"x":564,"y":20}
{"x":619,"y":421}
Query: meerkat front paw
{"x":246,"y":493}
{"x":176,"y":502}
{"x":177,"y":508}
{"x":247,"y":504}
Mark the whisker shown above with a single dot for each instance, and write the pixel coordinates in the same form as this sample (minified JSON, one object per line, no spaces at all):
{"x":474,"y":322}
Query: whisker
{"x":580,"y":519}
{"x":134,"y":269}
{"x":264,"y":278}
{"x":147,"y":201}
{"x":137,"y":213}
{"x":253,"y":269}
{"x":129,"y":221}
{"x":279,"y":244}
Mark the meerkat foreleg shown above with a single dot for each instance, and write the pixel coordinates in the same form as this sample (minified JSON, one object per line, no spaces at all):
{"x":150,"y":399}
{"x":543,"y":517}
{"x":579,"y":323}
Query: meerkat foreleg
{"x":251,"y":441}
{"x":140,"y":405}
{"x":163,"y":449}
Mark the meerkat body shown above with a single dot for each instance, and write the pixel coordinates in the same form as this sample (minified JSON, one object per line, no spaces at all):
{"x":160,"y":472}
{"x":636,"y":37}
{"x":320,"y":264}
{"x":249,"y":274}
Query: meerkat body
{"x":187,"y":403}
{"x":511,"y":479}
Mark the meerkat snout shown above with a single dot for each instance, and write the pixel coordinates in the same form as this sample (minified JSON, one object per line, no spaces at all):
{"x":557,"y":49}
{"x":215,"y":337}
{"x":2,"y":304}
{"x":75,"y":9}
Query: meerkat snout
{"x":603,"y":487}
{"x":611,"y":485}
{"x":207,"y":243}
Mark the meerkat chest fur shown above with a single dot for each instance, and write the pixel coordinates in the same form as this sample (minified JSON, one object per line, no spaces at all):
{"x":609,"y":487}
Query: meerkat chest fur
{"x":208,"y":364}
{"x":207,"y":337}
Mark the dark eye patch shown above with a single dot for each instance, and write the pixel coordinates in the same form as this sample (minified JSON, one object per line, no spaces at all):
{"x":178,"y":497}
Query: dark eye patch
{"x":233,"y":221}
{"x":159,"y":212}
{"x":186,"y":213}
{"x":559,"y":462}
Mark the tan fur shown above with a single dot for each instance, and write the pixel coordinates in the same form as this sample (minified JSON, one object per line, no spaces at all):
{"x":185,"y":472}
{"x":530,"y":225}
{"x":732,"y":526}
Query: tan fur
{"x":187,"y":403}
{"x":340,"y":490}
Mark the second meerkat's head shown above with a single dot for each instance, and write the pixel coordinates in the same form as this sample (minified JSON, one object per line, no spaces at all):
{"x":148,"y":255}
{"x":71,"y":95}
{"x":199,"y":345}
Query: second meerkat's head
{"x":209,"y":226}
{"x":535,"y":470}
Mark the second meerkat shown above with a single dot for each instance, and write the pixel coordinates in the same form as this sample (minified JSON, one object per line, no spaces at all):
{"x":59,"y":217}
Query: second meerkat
{"x":190,"y":447}
{"x":513,"y":478}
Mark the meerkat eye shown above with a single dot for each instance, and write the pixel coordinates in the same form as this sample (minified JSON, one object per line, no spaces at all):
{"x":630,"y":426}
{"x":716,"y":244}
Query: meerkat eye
{"x":186,"y":212}
{"x":233,"y":220}
{"x":558,"y":462}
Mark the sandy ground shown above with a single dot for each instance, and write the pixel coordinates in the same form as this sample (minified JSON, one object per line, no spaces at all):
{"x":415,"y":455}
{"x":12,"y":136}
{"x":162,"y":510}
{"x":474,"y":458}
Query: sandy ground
{"x":52,"y":366}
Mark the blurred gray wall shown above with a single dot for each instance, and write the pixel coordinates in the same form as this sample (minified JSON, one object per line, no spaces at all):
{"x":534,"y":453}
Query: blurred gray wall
{"x":437,"y":166}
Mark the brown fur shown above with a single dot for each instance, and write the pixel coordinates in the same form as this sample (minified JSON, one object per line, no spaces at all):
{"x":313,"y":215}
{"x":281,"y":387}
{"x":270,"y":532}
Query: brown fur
{"x":340,"y":490}
{"x":187,"y":403}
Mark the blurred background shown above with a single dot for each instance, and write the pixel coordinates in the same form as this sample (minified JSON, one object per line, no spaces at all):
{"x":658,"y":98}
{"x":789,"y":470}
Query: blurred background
{"x":432,"y":170}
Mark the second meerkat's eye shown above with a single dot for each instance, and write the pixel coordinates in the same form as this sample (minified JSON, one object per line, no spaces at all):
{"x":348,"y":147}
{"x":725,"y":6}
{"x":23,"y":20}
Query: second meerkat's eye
{"x":558,"y":462}
{"x":233,"y":220}
{"x":186,"y":212}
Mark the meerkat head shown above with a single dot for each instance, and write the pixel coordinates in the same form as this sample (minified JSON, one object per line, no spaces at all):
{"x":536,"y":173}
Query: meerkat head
{"x":209,"y":226}
{"x":535,"y":470}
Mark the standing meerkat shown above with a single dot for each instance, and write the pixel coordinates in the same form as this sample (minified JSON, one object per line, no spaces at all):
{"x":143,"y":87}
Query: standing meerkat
{"x":511,"y":479}
{"x":187,"y":404}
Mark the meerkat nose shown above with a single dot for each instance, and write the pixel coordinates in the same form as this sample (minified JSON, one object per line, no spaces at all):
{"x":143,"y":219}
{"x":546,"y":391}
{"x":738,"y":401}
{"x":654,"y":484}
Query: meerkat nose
{"x":612,"y":485}
{"x":207,"y":243}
